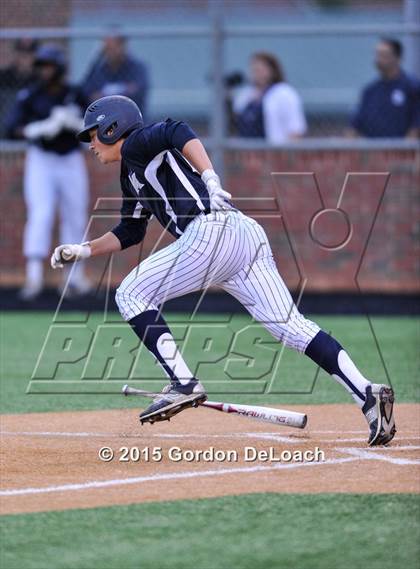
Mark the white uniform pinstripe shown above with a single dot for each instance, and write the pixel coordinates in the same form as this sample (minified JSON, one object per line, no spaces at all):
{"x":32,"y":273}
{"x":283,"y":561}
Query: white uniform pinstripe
{"x":227,"y":249}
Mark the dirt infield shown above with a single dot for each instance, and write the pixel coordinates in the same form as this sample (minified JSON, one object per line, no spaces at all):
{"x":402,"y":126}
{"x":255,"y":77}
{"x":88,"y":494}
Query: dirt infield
{"x":50,"y":461}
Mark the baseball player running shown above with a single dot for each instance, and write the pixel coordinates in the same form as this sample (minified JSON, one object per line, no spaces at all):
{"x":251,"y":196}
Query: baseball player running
{"x":166,"y":173}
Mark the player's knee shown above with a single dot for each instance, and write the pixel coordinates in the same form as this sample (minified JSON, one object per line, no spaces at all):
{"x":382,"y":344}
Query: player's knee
{"x":300,"y":331}
{"x":41,"y":218}
{"x":120,"y":298}
{"x":132,"y":302}
{"x":294,"y":331}
{"x":125,"y":301}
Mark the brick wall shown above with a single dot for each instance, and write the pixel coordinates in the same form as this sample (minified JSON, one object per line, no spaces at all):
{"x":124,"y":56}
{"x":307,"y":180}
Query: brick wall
{"x":30,"y":13}
{"x":39,"y":13}
{"x":373,"y":235}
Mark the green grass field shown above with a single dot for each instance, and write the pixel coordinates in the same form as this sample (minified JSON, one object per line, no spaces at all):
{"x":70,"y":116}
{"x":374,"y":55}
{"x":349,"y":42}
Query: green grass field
{"x":23,"y":337}
{"x":245,"y":532}
{"x":251,"y":531}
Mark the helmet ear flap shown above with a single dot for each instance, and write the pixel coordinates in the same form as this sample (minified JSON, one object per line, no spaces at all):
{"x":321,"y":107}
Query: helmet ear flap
{"x":108,"y":134}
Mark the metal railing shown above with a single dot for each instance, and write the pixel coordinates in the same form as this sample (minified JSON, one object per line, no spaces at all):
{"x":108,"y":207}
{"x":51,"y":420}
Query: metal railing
{"x":305,"y":144}
{"x":227,"y":30}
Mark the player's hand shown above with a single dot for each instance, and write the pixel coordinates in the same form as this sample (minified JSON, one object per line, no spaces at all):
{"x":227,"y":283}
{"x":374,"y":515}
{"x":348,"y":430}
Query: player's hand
{"x":67,"y":116}
{"x":218,"y":199}
{"x":218,"y":196}
{"x":64,"y":254}
{"x":48,"y":128}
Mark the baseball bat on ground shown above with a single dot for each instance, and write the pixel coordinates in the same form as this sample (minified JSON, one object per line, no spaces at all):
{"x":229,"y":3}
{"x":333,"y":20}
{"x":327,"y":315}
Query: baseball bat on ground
{"x":264,"y":414}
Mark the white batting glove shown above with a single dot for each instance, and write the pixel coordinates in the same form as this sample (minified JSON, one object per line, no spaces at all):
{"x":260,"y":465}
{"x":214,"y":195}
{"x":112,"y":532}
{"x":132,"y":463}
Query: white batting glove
{"x":59,"y":114}
{"x":64,"y":254}
{"x":67,"y":116}
{"x":48,"y":128}
{"x":218,"y":195}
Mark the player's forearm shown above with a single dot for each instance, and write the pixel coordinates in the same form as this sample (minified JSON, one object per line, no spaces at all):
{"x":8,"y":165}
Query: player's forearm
{"x":74,"y":252}
{"x":108,"y":243}
{"x":196,"y":155}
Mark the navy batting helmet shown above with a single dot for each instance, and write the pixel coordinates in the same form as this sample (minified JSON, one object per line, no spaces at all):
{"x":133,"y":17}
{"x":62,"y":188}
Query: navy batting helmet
{"x":113,"y":116}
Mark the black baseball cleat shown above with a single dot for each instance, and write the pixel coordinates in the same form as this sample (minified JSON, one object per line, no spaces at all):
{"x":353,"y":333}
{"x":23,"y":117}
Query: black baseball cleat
{"x":378,"y":410}
{"x":175,"y":398}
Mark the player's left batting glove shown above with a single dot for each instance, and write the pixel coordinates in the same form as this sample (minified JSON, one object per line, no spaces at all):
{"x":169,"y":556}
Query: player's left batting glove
{"x":64,"y":254}
{"x":218,"y":196}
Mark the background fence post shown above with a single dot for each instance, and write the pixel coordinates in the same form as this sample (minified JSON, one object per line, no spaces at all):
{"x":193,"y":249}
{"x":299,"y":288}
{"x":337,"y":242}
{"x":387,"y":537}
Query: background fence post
{"x":218,"y":112}
{"x":412,"y":17}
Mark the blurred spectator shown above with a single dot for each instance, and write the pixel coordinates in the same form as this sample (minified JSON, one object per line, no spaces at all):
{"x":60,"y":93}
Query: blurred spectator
{"x":16,"y":76}
{"x":48,"y":113}
{"x":269,"y":107}
{"x":390,"y":105}
{"x":115,"y":72}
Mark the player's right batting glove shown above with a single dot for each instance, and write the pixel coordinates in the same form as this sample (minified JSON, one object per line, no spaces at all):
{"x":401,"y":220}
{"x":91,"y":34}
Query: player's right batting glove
{"x":218,"y":196}
{"x":47,"y":128}
{"x":64,"y":254}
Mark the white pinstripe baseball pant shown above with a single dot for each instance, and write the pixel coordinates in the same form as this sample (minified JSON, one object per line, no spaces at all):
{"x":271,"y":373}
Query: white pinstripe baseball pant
{"x":229,"y":250}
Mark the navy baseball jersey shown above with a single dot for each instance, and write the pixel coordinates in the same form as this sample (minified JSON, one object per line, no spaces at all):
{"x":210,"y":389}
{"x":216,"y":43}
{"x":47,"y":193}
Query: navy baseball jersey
{"x":156,"y":180}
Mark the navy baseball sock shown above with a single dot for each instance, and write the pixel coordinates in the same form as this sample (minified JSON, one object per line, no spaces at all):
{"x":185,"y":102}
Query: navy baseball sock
{"x":325,"y":351}
{"x":153,"y":331}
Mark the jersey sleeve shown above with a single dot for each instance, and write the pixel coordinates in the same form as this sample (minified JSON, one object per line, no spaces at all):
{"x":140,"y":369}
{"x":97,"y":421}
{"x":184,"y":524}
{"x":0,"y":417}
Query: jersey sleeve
{"x":146,"y":143}
{"x":415,"y":119}
{"x":134,"y":219}
{"x":357,"y":119}
{"x":81,"y":100}
{"x":20,"y":114}
{"x":415,"y":122}
{"x":139,"y":77}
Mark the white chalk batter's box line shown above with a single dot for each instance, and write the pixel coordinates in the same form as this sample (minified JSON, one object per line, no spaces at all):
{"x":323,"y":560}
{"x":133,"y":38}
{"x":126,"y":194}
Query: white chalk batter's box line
{"x":376,"y":454}
{"x":96,"y":484}
{"x":273,"y":436}
{"x":356,"y":454}
{"x":264,"y":436}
